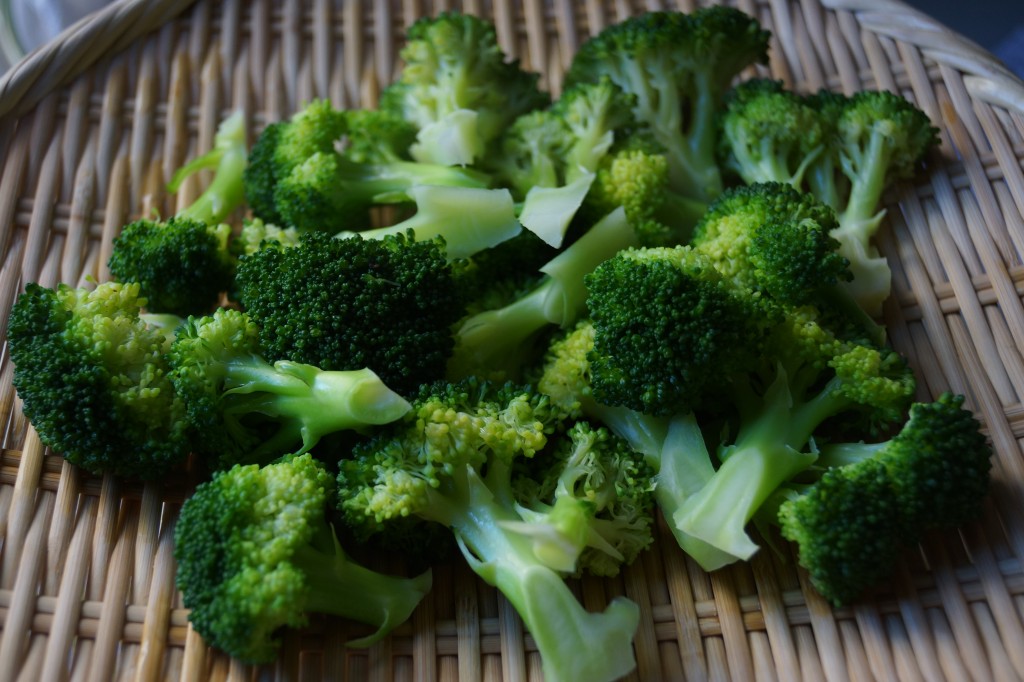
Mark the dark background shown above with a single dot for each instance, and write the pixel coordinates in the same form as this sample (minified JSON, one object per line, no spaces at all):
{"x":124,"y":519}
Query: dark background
{"x":996,"y":25}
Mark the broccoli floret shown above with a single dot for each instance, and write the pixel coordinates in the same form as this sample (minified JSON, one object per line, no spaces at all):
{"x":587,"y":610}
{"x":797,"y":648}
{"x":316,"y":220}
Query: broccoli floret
{"x":341,"y":304}
{"x":882,"y":138}
{"x":678,"y":66}
{"x":245,"y":410}
{"x":451,"y":461}
{"x":636,"y":176}
{"x":458,"y":89}
{"x":257,"y":234}
{"x":770,"y":134}
{"x":183,"y":264}
{"x":589,"y":505}
{"x":500,"y":343}
{"x":298,"y":177}
{"x":256,"y":554}
{"x":874,"y":499}
{"x":92,"y":377}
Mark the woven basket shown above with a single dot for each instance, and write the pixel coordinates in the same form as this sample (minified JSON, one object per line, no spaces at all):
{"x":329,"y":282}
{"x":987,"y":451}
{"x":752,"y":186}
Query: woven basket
{"x":92,"y":125}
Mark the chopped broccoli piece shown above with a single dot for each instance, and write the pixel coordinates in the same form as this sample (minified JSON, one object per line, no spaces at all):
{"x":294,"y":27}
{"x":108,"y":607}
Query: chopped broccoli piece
{"x":458,"y":89}
{"x":256,"y":554}
{"x":245,"y":410}
{"x":874,"y":499}
{"x":92,"y":377}
{"x":183,"y":264}
{"x":679,"y":67}
{"x":452,"y":461}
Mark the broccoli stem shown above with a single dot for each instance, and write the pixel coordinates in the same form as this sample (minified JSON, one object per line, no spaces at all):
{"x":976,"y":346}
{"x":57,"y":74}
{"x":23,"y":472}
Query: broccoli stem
{"x":228,"y":158}
{"x":389,"y":182}
{"x":469,"y":219}
{"x":309,"y":403}
{"x":340,"y":587}
{"x":552,"y":614}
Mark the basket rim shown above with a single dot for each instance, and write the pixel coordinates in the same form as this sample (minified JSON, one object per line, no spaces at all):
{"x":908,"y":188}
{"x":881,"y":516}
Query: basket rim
{"x":118,"y":24}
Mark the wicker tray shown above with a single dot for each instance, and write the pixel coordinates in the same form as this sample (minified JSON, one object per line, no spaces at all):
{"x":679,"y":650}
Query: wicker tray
{"x":91,"y":127}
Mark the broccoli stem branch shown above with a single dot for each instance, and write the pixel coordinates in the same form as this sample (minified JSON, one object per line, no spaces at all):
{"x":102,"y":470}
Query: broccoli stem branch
{"x":340,"y":587}
{"x":559,"y":624}
{"x":226,"y":191}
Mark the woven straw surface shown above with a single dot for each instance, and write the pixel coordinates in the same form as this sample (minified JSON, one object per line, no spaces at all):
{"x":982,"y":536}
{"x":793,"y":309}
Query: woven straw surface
{"x":91,"y":127}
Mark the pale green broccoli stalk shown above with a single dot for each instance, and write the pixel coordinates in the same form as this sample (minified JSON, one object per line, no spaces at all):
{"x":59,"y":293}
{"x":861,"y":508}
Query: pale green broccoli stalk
{"x":457,"y":88}
{"x":468,"y":219}
{"x":678,"y":66}
{"x":256,"y":554}
{"x":243,"y":409}
{"x":451,"y":461}
{"x":499,"y":341}
{"x":589,"y":505}
{"x":93,"y":379}
{"x":183,"y":264}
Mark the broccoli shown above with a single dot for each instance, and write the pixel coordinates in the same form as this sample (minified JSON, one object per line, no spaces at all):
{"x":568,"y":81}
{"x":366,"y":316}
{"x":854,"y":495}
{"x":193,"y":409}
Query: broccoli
{"x":183,"y":264}
{"x":245,"y":410}
{"x":673,"y":335}
{"x":256,"y":553}
{"x":589,"y":505}
{"x":499,"y":343}
{"x":297,"y":177}
{"x":679,"y":67}
{"x":770,"y":134}
{"x":873,"y":499}
{"x":634,"y":175}
{"x":549,"y":157}
{"x":844,"y":150}
{"x":457,"y":89}
{"x":93,"y":379}
{"x":257,"y":234}
{"x":451,"y":461}
{"x":342,"y":304}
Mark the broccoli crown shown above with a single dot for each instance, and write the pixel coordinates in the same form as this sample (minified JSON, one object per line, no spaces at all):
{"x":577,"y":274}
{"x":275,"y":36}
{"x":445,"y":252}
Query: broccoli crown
{"x":457,"y":88}
{"x":668,"y":327}
{"x":93,"y":379}
{"x":678,"y":66}
{"x":384,"y":304}
{"x":283,"y":145}
{"x":182,"y":265}
{"x":939,"y":463}
{"x":258,"y":234}
{"x":255,"y":554}
{"x":590,"y":501}
{"x":774,"y":240}
{"x":593,"y":113}
{"x":377,"y":137}
{"x":906,"y":130}
{"x":769,"y":134}
{"x":846,"y":527}
{"x":533,"y":151}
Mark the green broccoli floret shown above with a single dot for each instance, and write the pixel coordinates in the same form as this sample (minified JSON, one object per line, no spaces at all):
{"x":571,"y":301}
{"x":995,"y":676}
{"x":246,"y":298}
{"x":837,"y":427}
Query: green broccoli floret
{"x":245,"y":410}
{"x":672,"y":334}
{"x":344,"y":304}
{"x":256,"y":554}
{"x":458,"y":89}
{"x":451,"y":461}
{"x":92,"y":377}
{"x":257,"y":234}
{"x":770,"y":134}
{"x":588,"y":506}
{"x":298,"y":177}
{"x":183,"y":264}
{"x":882,"y":138}
{"x":678,"y":66}
{"x":874,"y":499}
{"x":636,"y":176}
{"x":500,"y":343}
